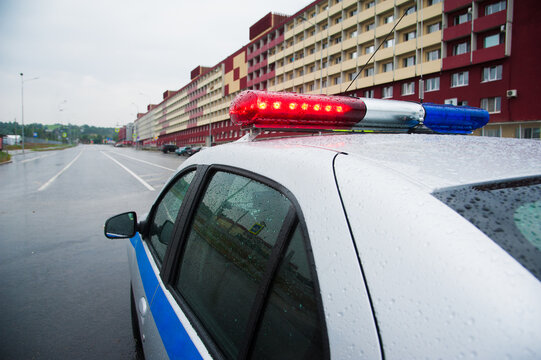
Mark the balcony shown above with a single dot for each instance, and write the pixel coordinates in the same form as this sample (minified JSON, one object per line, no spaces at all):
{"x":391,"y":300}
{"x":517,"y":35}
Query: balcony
{"x":451,"y":5}
{"x":489,"y":54}
{"x":490,"y":22}
{"x":452,"y":62}
{"x":457,"y":31}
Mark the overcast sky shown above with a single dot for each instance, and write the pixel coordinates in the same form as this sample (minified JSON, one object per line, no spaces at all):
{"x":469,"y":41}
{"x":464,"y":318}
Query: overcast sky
{"x":101,"y":61}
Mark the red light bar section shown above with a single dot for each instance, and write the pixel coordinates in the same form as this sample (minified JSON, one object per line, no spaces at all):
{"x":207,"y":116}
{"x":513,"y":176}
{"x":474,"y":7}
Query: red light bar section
{"x":275,"y":110}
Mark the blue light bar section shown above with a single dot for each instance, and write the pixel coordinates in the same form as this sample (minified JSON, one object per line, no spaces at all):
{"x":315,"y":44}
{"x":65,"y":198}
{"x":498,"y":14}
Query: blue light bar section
{"x":450,"y":119}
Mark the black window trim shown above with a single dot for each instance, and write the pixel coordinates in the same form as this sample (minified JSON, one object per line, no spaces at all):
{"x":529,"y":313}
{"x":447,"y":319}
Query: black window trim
{"x":145,"y":236}
{"x":175,"y":249}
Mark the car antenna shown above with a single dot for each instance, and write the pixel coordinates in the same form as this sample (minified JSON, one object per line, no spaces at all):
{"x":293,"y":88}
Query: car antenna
{"x":374,"y":53}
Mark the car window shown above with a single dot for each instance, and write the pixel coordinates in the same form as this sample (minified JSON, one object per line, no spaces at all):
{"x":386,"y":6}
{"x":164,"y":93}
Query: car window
{"x":227,"y":250}
{"x":508,"y":212}
{"x":163,"y":222}
{"x":291,"y":325}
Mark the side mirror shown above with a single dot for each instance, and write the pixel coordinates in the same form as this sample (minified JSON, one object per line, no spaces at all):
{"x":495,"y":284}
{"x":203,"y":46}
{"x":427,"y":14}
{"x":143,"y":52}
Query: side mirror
{"x":121,"y":226}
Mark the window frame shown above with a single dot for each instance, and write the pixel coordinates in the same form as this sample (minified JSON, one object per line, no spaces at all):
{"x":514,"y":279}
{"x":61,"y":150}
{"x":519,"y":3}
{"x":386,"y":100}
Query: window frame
{"x":175,"y":251}
{"x":145,"y":231}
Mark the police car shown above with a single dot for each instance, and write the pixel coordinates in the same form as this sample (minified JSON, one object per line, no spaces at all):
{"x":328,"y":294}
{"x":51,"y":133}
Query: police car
{"x":341,"y":244}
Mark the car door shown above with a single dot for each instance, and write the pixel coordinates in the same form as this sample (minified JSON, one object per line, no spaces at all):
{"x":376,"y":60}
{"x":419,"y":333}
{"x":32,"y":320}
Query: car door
{"x":147,"y":255}
{"x":240,"y":278}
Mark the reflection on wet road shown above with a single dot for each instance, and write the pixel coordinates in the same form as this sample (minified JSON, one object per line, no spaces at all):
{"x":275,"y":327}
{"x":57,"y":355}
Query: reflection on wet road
{"x":64,"y":287}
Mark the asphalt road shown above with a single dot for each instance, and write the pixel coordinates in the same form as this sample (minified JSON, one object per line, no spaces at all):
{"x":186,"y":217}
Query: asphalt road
{"x":64,"y":287}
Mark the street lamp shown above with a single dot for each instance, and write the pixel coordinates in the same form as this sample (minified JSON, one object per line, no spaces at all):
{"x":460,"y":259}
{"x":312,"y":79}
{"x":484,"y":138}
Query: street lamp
{"x":22,"y":103}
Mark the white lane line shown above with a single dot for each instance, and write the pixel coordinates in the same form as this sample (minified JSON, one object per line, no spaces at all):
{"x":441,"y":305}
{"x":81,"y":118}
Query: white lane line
{"x":146,"y":162}
{"x":39,"y":157}
{"x":44,"y":186}
{"x":130,"y":172}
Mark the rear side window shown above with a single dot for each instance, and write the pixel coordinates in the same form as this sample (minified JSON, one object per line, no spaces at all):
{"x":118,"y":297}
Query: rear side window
{"x":229,"y":250}
{"x":508,"y":212}
{"x":290,"y":323}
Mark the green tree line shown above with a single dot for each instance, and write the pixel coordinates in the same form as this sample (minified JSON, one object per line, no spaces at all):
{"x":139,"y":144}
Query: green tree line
{"x":58,"y":132}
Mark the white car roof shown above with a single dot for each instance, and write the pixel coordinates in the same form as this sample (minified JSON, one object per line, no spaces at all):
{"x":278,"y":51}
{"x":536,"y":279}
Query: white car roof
{"x":434,"y":161}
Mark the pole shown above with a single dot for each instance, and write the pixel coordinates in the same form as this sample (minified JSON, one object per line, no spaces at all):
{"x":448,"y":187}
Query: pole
{"x":22,"y":107}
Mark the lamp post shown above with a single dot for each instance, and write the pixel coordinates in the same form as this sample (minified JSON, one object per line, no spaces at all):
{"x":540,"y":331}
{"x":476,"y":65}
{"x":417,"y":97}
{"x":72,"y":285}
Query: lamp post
{"x":22,"y":103}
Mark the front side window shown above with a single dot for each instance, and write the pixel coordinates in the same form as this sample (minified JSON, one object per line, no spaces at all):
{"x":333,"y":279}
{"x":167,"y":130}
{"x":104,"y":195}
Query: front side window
{"x":238,"y":223}
{"x":165,"y":215}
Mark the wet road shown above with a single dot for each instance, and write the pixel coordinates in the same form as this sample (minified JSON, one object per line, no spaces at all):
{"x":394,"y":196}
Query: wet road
{"x":64,"y":287}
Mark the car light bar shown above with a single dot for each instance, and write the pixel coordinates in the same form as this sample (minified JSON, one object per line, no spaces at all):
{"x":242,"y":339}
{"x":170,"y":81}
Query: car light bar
{"x":295,"y":111}
{"x":274,"y":110}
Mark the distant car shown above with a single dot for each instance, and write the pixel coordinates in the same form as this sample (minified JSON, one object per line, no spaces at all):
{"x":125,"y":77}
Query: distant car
{"x":169,"y":148}
{"x":187,"y":150}
{"x":343,"y":246}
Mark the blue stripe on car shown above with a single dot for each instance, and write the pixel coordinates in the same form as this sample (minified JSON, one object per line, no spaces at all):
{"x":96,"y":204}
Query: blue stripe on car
{"x":175,"y":339}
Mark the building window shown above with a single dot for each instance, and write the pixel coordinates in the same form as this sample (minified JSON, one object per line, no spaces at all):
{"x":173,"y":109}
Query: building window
{"x":369,"y":49}
{"x":459,"y":79}
{"x":338,"y":40}
{"x":353,"y":13}
{"x":370,"y":4}
{"x":491,"y":40}
{"x":410,"y":35}
{"x":408,"y":88}
{"x":370,"y":27}
{"x":409,"y":61}
{"x":337,"y":60}
{"x":337,"y":80}
{"x":353,"y":55}
{"x":529,"y":133}
{"x":492,"y":73}
{"x":369,"y":72}
{"x":389,"y":19}
{"x":353,"y":34}
{"x":389,"y":43}
{"x":432,"y":84}
{"x":387,"y":67}
{"x":411,"y":10}
{"x":434,"y":27}
{"x":433,"y":55}
{"x":369,"y":94}
{"x":461,"y":19}
{"x":433,"y":2}
{"x":494,"y":8}
{"x":387,"y":92}
{"x":338,"y":20}
{"x":492,"y":105}
{"x":492,"y":132}
{"x":461,"y":48}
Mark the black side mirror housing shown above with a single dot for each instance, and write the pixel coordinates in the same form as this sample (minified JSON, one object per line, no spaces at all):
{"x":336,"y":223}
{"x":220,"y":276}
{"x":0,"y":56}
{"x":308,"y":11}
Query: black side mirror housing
{"x":121,"y":226}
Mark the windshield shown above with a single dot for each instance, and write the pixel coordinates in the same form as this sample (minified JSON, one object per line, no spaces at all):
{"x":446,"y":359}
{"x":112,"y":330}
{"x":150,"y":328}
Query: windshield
{"x":508,"y":212}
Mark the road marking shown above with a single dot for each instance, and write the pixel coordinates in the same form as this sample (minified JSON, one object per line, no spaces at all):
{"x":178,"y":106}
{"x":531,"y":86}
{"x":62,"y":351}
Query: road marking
{"x":44,"y":186}
{"x":129,"y":171}
{"x":146,"y":162}
{"x":39,"y":157}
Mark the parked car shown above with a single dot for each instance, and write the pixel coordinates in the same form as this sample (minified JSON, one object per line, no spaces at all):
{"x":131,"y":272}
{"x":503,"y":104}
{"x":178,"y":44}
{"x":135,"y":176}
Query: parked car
{"x":169,"y":148}
{"x":188,"y":150}
{"x":344,"y":246}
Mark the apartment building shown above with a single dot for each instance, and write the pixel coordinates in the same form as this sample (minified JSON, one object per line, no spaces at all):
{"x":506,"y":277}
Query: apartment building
{"x":463,"y":52}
